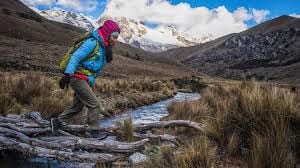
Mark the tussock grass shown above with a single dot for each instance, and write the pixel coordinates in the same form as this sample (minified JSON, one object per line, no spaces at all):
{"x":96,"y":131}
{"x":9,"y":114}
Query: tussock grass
{"x":34,"y":91}
{"x":126,"y":130}
{"x":31,"y":92}
{"x":256,"y":121}
{"x":111,"y":87}
{"x":201,"y":152}
{"x":25,"y":88}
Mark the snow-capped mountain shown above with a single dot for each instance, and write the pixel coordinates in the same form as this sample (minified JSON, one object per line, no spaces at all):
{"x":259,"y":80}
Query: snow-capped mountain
{"x":160,"y":38}
{"x":135,"y":33}
{"x":75,"y":19}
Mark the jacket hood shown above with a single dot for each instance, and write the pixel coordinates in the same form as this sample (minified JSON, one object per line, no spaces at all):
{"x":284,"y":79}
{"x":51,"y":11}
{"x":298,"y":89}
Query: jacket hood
{"x":96,"y":36}
{"x":108,"y":27}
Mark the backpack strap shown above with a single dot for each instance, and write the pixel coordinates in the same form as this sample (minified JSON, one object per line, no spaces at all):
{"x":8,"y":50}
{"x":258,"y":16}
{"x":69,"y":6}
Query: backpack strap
{"x":95,"y":54}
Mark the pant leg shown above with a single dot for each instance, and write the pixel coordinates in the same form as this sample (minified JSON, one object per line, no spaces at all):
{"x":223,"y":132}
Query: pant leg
{"x":74,"y":109}
{"x":88,"y":98}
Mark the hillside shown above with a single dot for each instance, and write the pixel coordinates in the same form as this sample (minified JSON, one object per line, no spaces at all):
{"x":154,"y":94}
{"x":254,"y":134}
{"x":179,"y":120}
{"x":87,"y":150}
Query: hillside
{"x":29,"y":41}
{"x":269,"y":51}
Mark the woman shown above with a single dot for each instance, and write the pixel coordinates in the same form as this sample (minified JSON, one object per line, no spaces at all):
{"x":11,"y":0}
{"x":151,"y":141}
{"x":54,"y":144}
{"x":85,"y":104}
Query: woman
{"x":81,"y":73}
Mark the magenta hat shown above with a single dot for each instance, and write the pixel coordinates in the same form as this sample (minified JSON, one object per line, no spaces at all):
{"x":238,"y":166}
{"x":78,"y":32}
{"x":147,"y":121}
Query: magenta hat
{"x":109,"y":27}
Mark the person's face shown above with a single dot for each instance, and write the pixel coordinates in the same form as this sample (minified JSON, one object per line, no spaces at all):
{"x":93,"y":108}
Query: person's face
{"x":112,"y":41}
{"x":113,"y":38}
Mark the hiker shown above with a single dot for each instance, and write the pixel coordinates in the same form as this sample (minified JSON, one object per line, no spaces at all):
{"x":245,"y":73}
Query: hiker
{"x":81,"y":70}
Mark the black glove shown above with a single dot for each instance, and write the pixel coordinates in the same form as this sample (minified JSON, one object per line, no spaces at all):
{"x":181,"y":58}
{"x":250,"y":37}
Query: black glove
{"x":64,"y":81}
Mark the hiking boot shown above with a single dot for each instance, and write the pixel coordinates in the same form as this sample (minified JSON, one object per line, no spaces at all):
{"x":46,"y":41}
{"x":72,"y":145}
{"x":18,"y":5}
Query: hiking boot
{"x":55,"y":124}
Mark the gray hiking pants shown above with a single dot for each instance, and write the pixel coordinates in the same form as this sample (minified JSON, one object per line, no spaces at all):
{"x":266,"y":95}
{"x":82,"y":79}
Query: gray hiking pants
{"x":83,"y":96}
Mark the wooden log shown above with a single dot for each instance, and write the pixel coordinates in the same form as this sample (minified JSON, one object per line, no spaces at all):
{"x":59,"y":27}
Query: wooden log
{"x":152,"y":137}
{"x":11,"y":120}
{"x":14,"y":133}
{"x":33,"y":141}
{"x":80,"y":143}
{"x":28,"y":125}
{"x":171,"y":123}
{"x":34,"y":120}
{"x":37,"y":117}
{"x":10,"y":144}
{"x":105,"y":145}
{"x":112,"y":146}
{"x":27,"y":131}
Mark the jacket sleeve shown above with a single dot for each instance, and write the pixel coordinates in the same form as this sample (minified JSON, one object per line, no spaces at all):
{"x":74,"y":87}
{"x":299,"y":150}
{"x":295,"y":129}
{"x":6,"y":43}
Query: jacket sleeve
{"x":80,"y":54}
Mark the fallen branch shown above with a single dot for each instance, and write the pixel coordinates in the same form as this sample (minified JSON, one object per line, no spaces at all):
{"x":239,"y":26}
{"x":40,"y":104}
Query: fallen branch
{"x":112,"y":146}
{"x":10,"y":144}
{"x":27,"y":131}
{"x":152,"y":137}
{"x":78,"y":142}
{"x":165,"y":124}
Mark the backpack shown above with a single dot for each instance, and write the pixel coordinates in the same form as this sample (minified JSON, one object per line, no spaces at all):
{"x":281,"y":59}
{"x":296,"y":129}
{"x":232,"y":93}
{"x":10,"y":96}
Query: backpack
{"x":77,"y":43}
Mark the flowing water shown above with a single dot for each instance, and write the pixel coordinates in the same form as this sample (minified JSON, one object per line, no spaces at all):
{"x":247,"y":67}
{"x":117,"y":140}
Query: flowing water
{"x":144,"y":114}
{"x":149,"y":113}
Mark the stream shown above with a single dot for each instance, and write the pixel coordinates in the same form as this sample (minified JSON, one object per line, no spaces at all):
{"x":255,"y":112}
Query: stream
{"x":144,"y":114}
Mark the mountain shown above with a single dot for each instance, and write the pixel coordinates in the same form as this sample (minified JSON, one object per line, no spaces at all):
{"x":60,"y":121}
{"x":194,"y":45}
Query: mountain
{"x":30,"y":42}
{"x":137,"y":34}
{"x":158,"y":39}
{"x":268,"y":51}
{"x":75,"y":19}
{"x":134,"y":33}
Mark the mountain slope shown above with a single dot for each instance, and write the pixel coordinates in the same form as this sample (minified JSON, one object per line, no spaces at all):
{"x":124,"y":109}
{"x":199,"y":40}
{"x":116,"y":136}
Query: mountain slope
{"x":78,"y":20}
{"x":156,"y":39}
{"x":269,"y":51}
{"x":29,"y":41}
{"x":19,"y":21}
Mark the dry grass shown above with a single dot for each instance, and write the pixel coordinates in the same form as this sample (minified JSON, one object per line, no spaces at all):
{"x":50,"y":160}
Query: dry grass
{"x":31,"y":92}
{"x":110,"y":87}
{"x":34,"y":91}
{"x":126,"y":130}
{"x":255,"y":121}
{"x":199,"y":153}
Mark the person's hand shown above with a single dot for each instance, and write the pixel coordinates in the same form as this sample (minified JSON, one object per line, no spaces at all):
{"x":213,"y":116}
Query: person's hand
{"x":64,"y":81}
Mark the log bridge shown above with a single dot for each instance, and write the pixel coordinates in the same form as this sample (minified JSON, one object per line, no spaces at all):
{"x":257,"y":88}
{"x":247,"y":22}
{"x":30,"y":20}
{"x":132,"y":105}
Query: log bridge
{"x":31,"y":134}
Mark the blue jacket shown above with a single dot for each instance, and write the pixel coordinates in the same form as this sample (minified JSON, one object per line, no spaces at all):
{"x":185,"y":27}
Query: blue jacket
{"x":79,"y":56}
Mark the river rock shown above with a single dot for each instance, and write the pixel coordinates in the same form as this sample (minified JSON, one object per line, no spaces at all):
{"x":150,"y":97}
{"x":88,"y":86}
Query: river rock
{"x":137,"y":158}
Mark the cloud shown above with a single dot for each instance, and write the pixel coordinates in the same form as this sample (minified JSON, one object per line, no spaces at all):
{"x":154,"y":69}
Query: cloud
{"x":295,"y":15}
{"x":38,"y":2}
{"x":73,"y":5}
{"x":79,"y":5}
{"x":260,"y":15}
{"x":197,"y":21}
